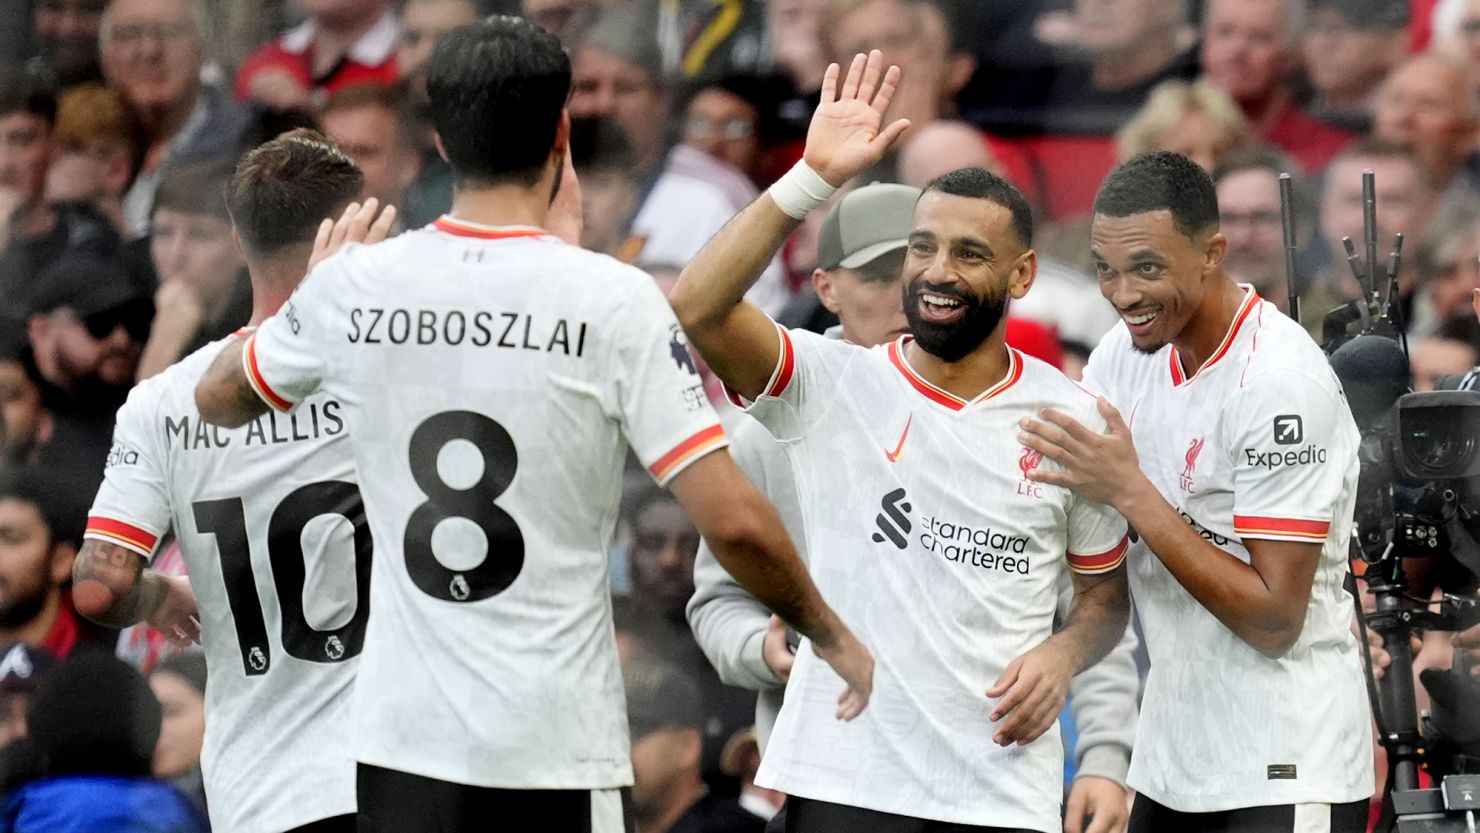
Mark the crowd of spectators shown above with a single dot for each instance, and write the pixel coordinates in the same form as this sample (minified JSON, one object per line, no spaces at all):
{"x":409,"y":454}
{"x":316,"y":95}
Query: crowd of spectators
{"x":120,"y":121}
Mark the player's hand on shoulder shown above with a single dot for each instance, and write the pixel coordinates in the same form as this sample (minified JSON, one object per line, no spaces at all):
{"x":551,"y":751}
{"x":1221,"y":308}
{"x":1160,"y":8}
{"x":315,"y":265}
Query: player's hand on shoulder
{"x":775,"y":650}
{"x":176,"y":616}
{"x":853,"y":662}
{"x":359,"y":223}
{"x":1096,"y":805}
{"x":1097,"y":466}
{"x":1032,"y":691}
{"x":847,"y":134}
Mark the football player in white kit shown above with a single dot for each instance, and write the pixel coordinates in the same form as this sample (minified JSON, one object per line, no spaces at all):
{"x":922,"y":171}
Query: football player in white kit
{"x":1233,"y":454}
{"x":269,"y":521}
{"x":919,"y":523}
{"x":492,"y":378}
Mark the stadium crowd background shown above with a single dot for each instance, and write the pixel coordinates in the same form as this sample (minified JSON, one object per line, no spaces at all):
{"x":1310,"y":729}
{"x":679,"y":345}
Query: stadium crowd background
{"x":121,"y":119}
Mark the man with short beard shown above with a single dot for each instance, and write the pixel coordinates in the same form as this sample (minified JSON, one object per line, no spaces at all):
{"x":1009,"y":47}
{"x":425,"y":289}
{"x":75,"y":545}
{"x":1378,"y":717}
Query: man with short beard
{"x":917,"y":514}
{"x":39,"y":534}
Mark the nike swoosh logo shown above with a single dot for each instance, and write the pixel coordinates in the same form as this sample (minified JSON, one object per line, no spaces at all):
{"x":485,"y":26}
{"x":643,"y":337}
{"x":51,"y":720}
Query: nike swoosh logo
{"x":894,"y":455}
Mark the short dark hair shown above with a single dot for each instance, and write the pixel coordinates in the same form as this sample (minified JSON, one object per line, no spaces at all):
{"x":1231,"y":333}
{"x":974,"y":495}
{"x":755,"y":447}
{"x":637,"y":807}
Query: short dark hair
{"x":497,"y":88}
{"x":982,"y":184}
{"x":282,"y":190}
{"x":65,"y":519}
{"x":27,"y":92}
{"x":194,"y":189}
{"x":1161,"y":180}
{"x":388,"y":98}
{"x":1256,"y":158}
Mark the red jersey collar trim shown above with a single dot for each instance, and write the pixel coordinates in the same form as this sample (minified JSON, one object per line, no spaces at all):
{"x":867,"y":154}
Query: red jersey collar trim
{"x":1251,"y":300}
{"x":463,"y":228}
{"x":944,"y":397}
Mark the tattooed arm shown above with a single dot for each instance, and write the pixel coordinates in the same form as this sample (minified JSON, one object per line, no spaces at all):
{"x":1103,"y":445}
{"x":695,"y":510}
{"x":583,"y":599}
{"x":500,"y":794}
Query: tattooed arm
{"x":111,"y":586}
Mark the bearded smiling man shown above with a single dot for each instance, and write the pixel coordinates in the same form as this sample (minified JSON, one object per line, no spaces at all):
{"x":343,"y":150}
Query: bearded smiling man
{"x":939,"y":550}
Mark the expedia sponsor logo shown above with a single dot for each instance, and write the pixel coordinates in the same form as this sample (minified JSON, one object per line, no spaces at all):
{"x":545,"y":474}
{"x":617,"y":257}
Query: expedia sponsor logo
{"x":1207,"y":534}
{"x":981,"y":547}
{"x":1254,"y":458}
{"x":121,"y":455}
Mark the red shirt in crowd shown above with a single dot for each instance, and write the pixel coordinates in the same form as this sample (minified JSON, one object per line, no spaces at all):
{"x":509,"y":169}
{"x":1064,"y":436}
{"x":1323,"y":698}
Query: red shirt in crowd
{"x":372,"y":60}
{"x":1309,"y":141}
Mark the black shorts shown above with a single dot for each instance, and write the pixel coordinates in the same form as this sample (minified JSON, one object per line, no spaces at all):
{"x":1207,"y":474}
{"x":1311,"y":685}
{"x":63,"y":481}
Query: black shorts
{"x":1149,"y":817}
{"x":398,"y":802}
{"x":335,"y":824}
{"x":805,"y":815}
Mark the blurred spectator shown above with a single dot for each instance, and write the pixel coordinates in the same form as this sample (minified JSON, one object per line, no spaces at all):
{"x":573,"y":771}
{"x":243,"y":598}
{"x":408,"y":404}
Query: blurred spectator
{"x":1439,"y":355}
{"x":179,"y":683}
{"x":21,"y":668}
{"x":1428,"y":105}
{"x":100,"y":145}
{"x":1197,"y":120}
{"x":40,"y":531}
{"x":1248,"y":184}
{"x":1408,"y":203}
{"x":1251,"y":49}
{"x":941,"y":147}
{"x":343,"y":42}
{"x":665,"y":717}
{"x":377,"y":129}
{"x":1447,"y":259}
{"x":93,"y":727}
{"x":87,"y":324}
{"x":794,"y":37}
{"x":152,"y":52}
{"x":921,"y":36}
{"x":1465,"y":43}
{"x":661,"y":559}
{"x":684,"y":195}
{"x":704,"y":41}
{"x":203,"y":293}
{"x":723,"y":120}
{"x":742,"y":759}
{"x":33,"y":231}
{"x":423,"y":23}
{"x":1350,"y":46}
{"x":1129,"y":47}
{"x":564,"y":18}
{"x":606,"y":165}
{"x":25,"y":422}
{"x":66,"y":38}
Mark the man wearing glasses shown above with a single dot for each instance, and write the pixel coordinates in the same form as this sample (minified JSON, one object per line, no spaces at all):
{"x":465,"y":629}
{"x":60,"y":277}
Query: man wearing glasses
{"x":1248,"y":185}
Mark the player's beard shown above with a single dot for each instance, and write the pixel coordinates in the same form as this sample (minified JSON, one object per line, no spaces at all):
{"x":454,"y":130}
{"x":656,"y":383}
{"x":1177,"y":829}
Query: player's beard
{"x":952,"y":342}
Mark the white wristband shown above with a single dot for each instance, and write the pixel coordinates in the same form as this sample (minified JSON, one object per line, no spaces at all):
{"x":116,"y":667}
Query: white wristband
{"x":800,"y":190}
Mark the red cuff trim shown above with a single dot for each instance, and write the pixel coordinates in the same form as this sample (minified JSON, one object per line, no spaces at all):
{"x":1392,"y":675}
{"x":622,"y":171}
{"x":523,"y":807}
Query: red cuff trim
{"x":785,"y":366}
{"x":687,"y":451}
{"x":254,"y":377}
{"x":1256,"y":526}
{"x":1102,"y":562}
{"x":123,"y":534}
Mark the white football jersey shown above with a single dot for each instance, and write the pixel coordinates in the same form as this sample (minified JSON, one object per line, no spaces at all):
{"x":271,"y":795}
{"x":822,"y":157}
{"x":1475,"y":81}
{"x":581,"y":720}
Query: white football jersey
{"x":492,"y":380}
{"x":926,"y":536}
{"x":273,"y":532}
{"x":1258,"y":443}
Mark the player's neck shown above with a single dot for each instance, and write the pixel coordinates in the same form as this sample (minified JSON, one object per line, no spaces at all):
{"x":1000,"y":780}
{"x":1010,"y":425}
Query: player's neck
{"x":503,"y":205}
{"x":968,"y":378}
{"x":273,"y":281}
{"x":1210,"y":323}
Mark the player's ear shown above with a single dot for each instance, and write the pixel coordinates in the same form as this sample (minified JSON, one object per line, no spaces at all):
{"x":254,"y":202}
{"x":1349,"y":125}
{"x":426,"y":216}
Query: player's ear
{"x":827,"y":292}
{"x":562,"y":138}
{"x":1024,"y":272}
{"x":441,"y":148}
{"x":1213,"y":255}
{"x":236,"y":242}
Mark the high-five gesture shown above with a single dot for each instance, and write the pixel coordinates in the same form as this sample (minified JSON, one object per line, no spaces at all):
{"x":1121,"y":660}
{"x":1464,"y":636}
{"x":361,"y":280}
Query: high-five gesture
{"x":847,"y":134}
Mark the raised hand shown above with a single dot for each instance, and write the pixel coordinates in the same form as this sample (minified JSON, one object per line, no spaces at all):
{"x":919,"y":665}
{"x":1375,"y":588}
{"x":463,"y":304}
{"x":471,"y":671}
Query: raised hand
{"x":358,"y":224}
{"x":847,"y":135}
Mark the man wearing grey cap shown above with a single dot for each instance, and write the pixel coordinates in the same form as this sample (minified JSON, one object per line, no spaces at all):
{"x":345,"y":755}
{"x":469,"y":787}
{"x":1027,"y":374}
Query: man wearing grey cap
{"x":665,"y":719}
{"x":860,"y":257}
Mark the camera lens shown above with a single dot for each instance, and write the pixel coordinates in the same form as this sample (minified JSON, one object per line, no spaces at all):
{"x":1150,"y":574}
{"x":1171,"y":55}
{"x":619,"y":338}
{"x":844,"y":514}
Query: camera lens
{"x":1436,"y":446}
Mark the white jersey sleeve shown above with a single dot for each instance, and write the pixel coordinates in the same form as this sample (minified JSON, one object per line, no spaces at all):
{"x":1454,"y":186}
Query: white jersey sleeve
{"x":132,"y":507}
{"x":1097,"y":539}
{"x":1284,"y":489}
{"x":660,"y":400}
{"x":801,"y":388}
{"x":286,"y":358}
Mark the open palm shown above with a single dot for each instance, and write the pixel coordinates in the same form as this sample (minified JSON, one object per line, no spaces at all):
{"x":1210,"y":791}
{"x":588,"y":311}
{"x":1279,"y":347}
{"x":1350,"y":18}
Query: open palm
{"x":847,"y":135}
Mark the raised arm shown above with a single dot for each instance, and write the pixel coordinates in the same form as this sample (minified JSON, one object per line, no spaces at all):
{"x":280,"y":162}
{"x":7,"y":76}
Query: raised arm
{"x":749,"y":540}
{"x":846,"y":136}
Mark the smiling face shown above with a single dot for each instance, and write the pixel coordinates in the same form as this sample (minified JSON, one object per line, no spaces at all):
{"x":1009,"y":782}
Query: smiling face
{"x":1154,"y":275}
{"x":963,"y":262}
